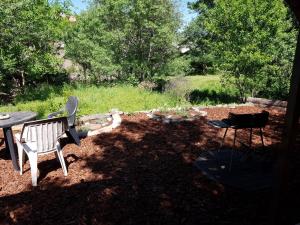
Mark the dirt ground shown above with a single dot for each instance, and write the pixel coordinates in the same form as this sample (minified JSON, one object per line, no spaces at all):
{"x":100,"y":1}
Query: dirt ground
{"x":141,"y":173}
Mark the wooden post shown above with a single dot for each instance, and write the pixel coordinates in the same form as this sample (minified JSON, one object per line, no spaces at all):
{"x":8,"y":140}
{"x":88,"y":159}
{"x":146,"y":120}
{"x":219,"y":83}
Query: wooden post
{"x":289,"y":137}
{"x":292,"y":116}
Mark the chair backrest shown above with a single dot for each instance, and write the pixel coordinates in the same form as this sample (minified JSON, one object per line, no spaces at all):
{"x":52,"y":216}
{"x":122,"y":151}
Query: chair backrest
{"x":71,"y":108}
{"x":254,"y":120}
{"x":44,"y":134}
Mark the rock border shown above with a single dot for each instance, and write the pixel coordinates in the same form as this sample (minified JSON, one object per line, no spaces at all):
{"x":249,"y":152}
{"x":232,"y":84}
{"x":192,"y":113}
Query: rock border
{"x":116,"y":122}
{"x":263,"y":102}
{"x":196,"y":108}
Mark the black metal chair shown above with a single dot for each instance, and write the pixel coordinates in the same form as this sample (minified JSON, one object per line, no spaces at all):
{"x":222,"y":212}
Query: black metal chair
{"x":242,"y":121}
{"x":70,"y":109}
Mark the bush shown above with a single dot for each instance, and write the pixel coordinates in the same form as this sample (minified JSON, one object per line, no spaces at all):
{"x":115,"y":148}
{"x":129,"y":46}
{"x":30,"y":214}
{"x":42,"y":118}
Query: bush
{"x":179,"y":88}
{"x":147,"y":85}
{"x":179,"y":66}
{"x":160,"y":84}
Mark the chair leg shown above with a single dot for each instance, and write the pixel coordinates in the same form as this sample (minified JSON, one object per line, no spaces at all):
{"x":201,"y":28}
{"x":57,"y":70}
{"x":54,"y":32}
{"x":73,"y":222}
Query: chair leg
{"x":33,"y":167}
{"x":223,"y":139}
{"x":234,"y":138}
{"x":61,"y":160}
{"x":21,"y":155}
{"x":73,"y":135}
{"x":21,"y":159}
{"x":261,"y":137}
{"x":250,"y":139}
{"x":231,"y":155}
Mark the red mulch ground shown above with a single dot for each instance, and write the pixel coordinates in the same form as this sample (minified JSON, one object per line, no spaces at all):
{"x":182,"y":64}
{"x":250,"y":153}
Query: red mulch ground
{"x":141,"y":173}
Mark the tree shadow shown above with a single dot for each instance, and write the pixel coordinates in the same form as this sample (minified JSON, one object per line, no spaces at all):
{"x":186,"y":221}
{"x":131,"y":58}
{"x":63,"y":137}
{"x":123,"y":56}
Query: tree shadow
{"x":48,"y":166}
{"x":4,"y":154}
{"x":142,"y":173}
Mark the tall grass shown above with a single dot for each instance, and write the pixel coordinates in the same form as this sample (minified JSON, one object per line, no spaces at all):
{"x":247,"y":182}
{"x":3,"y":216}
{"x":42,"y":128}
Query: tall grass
{"x":197,"y":90}
{"x":92,"y":99}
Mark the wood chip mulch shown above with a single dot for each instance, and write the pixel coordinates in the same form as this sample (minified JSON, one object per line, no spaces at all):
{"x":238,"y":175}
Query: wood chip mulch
{"x":141,"y":173}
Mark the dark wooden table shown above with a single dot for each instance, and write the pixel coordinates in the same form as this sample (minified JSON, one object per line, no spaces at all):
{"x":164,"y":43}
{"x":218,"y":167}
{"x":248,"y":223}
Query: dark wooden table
{"x":15,"y":119}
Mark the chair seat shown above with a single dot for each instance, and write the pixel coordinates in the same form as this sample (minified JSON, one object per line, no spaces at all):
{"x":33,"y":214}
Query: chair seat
{"x":218,"y":123}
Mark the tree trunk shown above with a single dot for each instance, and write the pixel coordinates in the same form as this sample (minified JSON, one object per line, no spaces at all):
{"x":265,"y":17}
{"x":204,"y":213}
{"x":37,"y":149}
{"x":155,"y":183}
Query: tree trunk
{"x":22,"y":79}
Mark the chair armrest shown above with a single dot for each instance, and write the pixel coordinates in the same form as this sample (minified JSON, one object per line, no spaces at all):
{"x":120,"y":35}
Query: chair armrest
{"x":19,"y":139}
{"x":51,"y":115}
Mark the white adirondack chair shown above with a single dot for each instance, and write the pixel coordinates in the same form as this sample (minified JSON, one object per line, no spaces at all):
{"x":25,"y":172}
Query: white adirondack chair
{"x":41,"y":137}
{"x":70,"y":109}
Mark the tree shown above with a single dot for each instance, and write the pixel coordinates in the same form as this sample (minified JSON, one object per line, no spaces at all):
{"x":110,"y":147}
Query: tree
{"x":29,"y":31}
{"x":89,"y":45}
{"x":125,"y":38}
{"x":252,"y":41}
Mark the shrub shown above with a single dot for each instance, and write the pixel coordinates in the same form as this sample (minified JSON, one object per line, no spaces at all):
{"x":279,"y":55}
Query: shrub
{"x":179,"y":88}
{"x":147,"y":85}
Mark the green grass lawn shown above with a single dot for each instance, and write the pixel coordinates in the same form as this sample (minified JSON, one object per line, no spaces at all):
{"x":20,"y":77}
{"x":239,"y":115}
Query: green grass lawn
{"x":204,"y":90}
{"x":208,"y":90}
{"x":211,"y":82}
{"x":91,"y":100}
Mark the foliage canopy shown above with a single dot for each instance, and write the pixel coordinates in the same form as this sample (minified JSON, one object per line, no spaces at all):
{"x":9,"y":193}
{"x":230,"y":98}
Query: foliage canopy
{"x":29,"y":31}
{"x":253,"y":41}
{"x":124,"y":39}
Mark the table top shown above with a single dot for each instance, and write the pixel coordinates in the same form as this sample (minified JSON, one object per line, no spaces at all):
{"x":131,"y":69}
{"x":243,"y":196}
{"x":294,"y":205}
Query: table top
{"x":17,"y":118}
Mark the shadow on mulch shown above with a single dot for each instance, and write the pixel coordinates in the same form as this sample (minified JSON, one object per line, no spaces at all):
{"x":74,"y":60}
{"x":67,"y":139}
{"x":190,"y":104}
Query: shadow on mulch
{"x":53,"y":164}
{"x":4,"y":154}
{"x":245,"y":170}
{"x":142,"y":173}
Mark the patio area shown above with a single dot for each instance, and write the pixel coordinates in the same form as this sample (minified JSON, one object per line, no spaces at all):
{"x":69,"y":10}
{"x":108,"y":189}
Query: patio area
{"x":141,"y":173}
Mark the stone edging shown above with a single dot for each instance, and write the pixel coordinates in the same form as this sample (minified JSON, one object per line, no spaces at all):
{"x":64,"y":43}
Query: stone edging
{"x":116,"y":122}
{"x":267,"y":102}
{"x":196,"y":108}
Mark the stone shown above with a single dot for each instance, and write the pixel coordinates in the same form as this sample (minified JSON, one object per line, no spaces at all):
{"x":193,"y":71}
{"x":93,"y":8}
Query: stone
{"x":117,"y":120}
{"x":203,"y":113}
{"x":88,"y":118}
{"x":166,"y":121}
{"x":189,"y":119}
{"x":150,"y":115}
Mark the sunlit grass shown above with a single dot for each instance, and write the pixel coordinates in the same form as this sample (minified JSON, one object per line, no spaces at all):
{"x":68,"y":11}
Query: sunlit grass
{"x":208,"y":90}
{"x":202,"y":90}
{"x":92,"y":100}
{"x":211,"y":82}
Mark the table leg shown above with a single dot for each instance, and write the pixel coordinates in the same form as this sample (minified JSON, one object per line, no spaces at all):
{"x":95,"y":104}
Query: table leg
{"x":9,"y":143}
